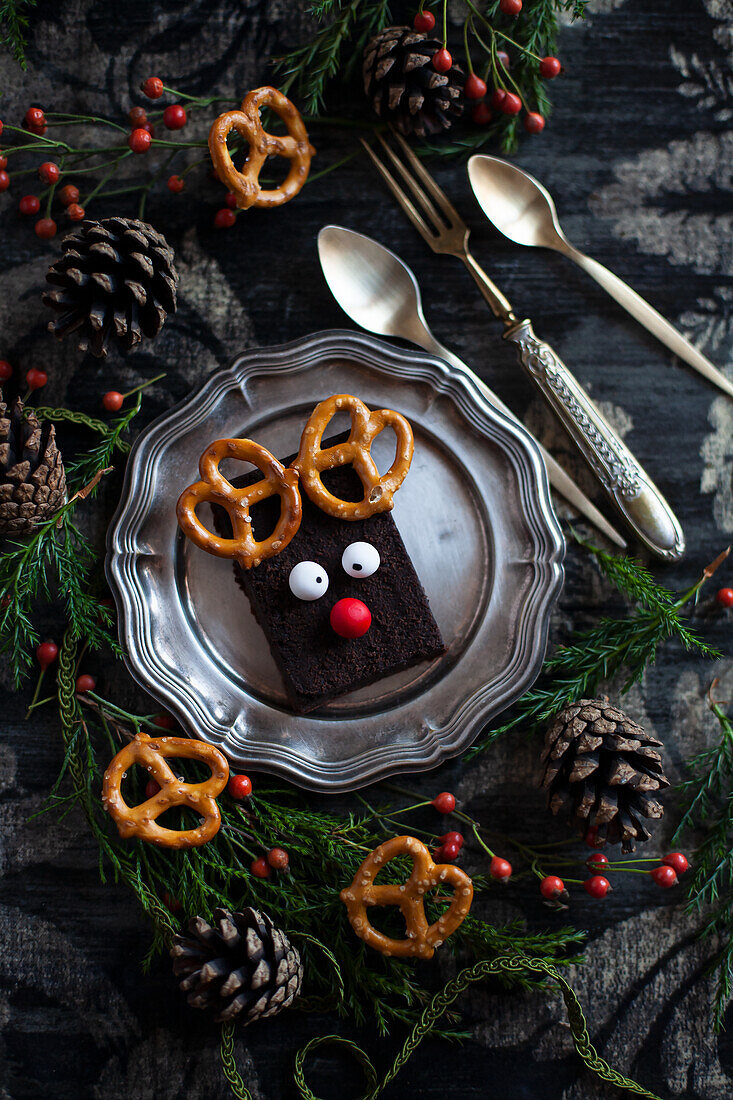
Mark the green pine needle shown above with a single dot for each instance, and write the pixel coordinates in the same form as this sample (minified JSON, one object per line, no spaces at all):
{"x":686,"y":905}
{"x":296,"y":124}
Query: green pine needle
{"x":612,"y":648}
{"x":325,"y":852}
{"x":56,"y":562}
{"x":14,"y":22}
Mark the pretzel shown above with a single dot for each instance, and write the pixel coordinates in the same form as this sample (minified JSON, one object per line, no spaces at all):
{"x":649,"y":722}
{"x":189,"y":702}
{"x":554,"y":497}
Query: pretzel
{"x":214,"y":488}
{"x":422,"y":938}
{"x":141,"y":820}
{"x":365,"y":427}
{"x":295,"y":146}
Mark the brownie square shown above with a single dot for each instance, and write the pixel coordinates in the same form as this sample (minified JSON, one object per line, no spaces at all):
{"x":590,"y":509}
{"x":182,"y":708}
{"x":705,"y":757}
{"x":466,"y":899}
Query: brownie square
{"x":316,"y":664}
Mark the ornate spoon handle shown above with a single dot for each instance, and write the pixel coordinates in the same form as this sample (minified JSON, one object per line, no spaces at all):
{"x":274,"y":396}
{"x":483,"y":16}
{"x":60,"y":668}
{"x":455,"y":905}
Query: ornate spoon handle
{"x":631,"y":489}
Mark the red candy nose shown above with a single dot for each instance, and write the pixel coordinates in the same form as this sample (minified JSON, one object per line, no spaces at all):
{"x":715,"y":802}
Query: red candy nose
{"x":350,"y":618}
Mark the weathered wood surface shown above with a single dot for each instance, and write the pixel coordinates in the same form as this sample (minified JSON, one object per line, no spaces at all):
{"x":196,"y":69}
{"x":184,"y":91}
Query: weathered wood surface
{"x":638,"y":155}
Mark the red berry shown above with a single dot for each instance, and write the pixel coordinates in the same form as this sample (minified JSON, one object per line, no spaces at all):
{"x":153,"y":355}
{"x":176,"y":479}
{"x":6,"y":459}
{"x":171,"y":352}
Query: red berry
{"x":36,"y":379}
{"x":174,"y":117}
{"x":278,"y":859}
{"x":173,"y":903}
{"x":591,"y":837}
{"x":350,"y":618}
{"x":153,"y":87}
{"x":49,"y":172}
{"x":112,"y":401}
{"x":151,"y":789}
{"x":149,"y":127}
{"x":475,"y":87}
{"x":176,"y":184}
{"x":442,"y":61}
{"x":452,"y":838}
{"x":164,"y":721}
{"x":240,"y":786}
{"x":438,"y":855}
{"x":550,"y":67}
{"x":260,"y":867}
{"x":138,"y":116}
{"x":29,"y":204}
{"x":46,"y":654}
{"x":230,"y":199}
{"x":481,"y":114}
{"x":450,"y":851}
{"x":677,"y":861}
{"x":69,"y":194}
{"x":3,"y":161}
{"x":724,"y":597}
{"x":502,"y":58}
{"x":424,"y":21}
{"x":35,"y":120}
{"x":5,"y":370}
{"x":510,"y":7}
{"x":75,"y":212}
{"x":534,"y":122}
{"x":1,"y":127}
{"x":597,"y":887}
{"x":225,"y":218}
{"x":85,"y":683}
{"x":444,"y":803}
{"x":497,"y":98}
{"x":500,"y":869}
{"x":139,"y":141}
{"x":512,"y":104}
{"x":597,"y":859}
{"x":664,"y":876}
{"x":45,"y":228}
{"x":552,"y":887}
{"x":4,"y":180}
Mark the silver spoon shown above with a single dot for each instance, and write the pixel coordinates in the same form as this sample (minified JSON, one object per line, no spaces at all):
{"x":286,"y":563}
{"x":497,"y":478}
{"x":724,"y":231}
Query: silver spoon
{"x":378,"y":291}
{"x":522,"y":209}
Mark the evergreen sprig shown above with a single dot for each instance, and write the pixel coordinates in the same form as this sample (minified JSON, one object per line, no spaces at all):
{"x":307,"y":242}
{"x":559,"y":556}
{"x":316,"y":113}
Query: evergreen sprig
{"x":14,"y":22}
{"x":708,"y":793}
{"x":56,"y":559}
{"x":337,"y":46}
{"x":325,"y":851}
{"x":613,"y":647}
{"x":308,"y":69}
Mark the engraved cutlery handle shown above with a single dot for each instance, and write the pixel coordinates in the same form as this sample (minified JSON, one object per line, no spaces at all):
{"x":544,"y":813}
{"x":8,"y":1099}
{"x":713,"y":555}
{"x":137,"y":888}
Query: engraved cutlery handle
{"x":632,"y":491}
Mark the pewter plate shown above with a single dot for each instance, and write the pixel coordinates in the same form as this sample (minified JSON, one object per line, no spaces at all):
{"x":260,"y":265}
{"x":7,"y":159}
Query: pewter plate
{"x":475,"y":515}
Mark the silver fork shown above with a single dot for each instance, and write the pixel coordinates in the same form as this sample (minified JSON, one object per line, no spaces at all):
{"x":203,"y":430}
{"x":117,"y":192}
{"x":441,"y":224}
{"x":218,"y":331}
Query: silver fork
{"x":627,"y":484}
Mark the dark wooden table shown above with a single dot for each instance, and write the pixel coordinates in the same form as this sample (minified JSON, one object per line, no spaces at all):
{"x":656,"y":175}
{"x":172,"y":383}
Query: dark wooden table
{"x":638,"y":155}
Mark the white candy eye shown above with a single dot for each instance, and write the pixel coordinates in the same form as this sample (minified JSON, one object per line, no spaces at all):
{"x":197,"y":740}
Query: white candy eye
{"x":360,"y":559}
{"x":308,"y":580}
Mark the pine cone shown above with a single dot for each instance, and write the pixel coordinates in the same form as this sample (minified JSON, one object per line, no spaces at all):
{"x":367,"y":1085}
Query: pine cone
{"x":117,"y":279}
{"x":603,"y":771}
{"x":241,"y":964}
{"x":404,"y":88}
{"x":32,"y":476}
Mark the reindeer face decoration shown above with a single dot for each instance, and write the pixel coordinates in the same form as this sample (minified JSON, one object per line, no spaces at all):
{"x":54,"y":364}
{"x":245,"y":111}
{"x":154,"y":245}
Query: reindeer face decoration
{"x":327,"y":574}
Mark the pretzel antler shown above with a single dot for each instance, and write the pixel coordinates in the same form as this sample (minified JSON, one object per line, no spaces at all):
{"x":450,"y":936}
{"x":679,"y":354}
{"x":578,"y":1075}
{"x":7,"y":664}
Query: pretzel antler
{"x":214,"y":488}
{"x":312,"y":461}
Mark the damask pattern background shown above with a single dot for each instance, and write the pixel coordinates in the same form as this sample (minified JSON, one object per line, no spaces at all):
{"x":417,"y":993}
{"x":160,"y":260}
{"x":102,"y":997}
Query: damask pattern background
{"x":638,"y":156}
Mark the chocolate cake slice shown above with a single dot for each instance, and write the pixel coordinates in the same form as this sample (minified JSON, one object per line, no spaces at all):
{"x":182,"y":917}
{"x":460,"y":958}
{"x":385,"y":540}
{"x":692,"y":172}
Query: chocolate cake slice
{"x":316,"y":664}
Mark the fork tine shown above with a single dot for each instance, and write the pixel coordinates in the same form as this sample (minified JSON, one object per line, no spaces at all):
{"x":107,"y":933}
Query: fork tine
{"x":427,"y":206}
{"x":445,"y":205}
{"x":404,"y":200}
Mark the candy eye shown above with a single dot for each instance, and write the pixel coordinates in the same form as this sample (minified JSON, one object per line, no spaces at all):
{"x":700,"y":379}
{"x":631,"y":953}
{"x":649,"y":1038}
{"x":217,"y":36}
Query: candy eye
{"x":360,"y":559}
{"x":308,"y":580}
